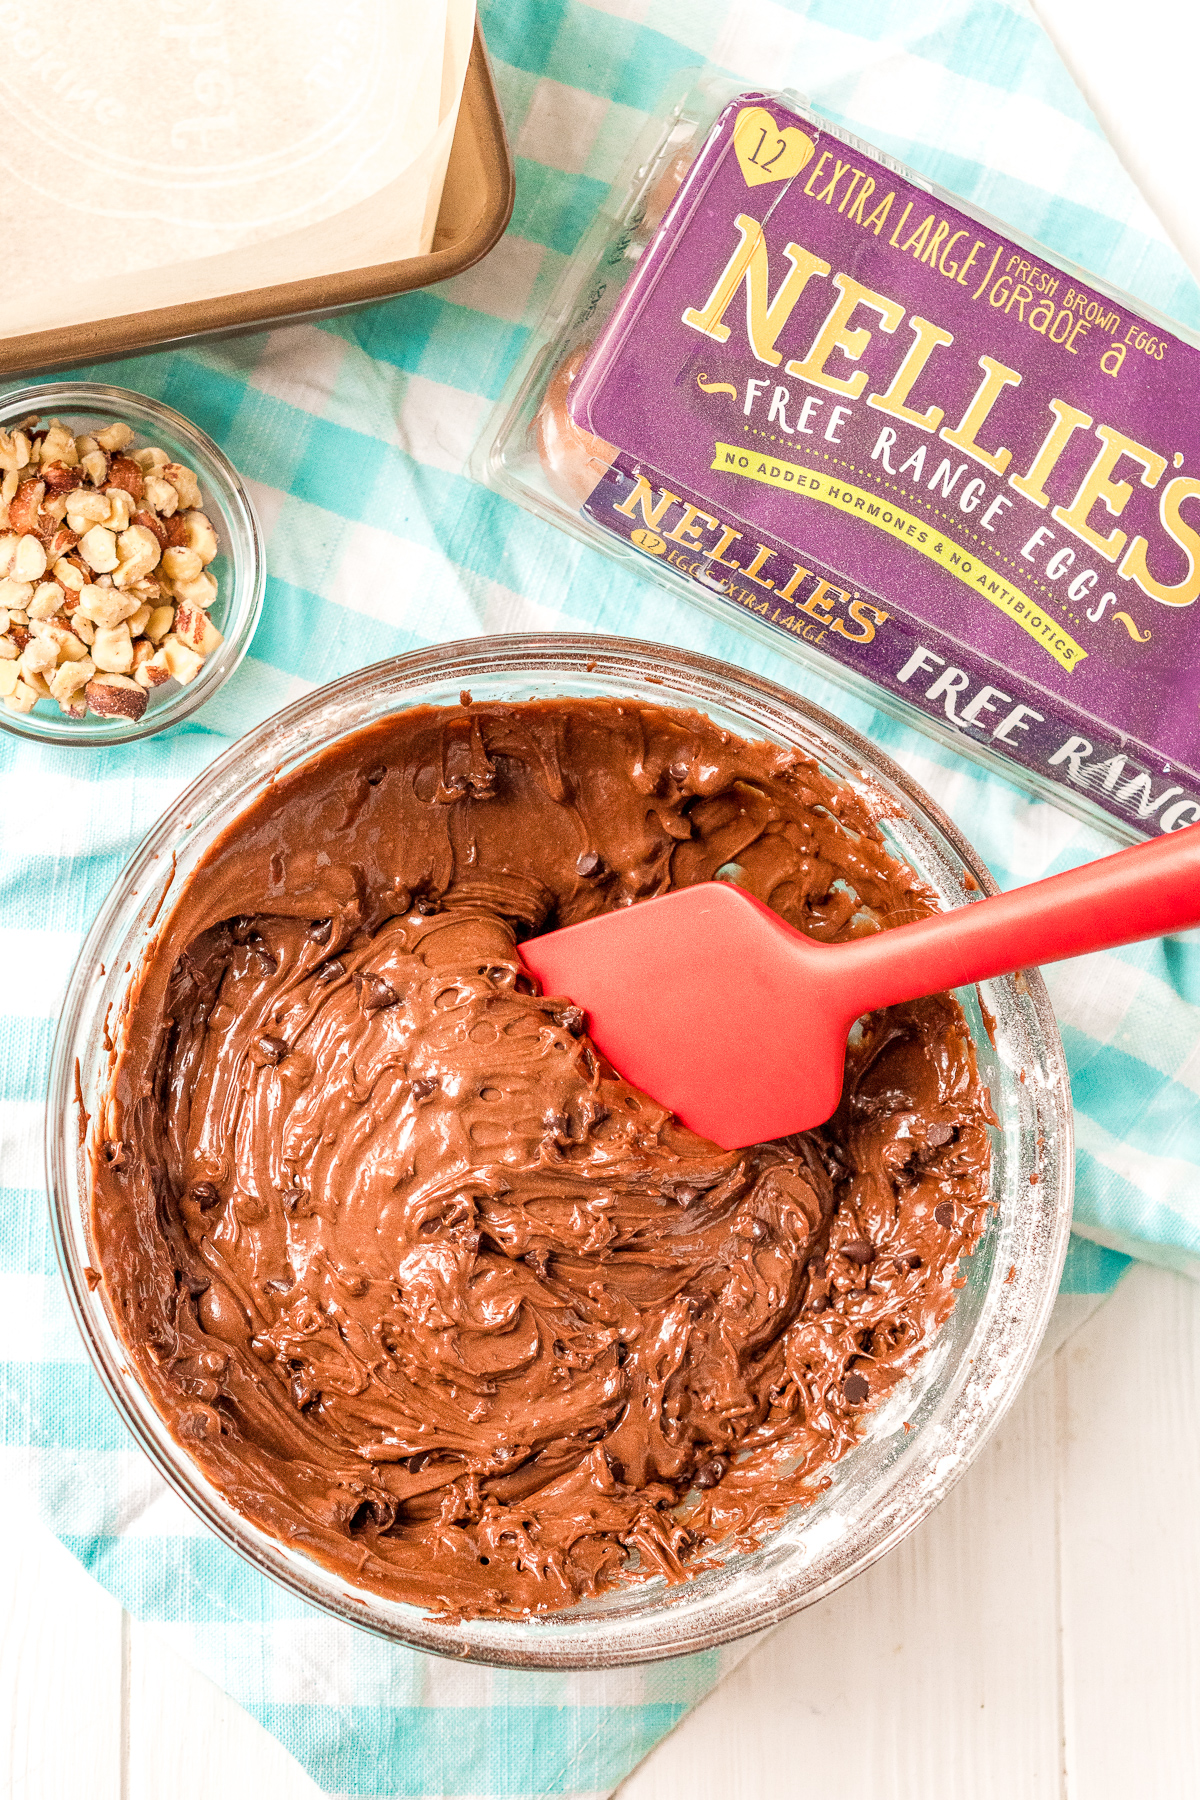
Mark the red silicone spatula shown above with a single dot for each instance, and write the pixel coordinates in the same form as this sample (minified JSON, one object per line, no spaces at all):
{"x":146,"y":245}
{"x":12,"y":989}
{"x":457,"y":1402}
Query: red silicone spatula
{"x":709,"y":1003}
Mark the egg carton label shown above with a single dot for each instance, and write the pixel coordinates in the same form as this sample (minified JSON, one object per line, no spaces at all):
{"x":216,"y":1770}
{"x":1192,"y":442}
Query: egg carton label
{"x":877,"y":425}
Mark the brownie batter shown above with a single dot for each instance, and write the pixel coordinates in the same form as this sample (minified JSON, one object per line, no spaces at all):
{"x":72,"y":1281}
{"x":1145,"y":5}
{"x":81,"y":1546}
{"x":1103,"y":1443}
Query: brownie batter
{"x":423,"y":1286}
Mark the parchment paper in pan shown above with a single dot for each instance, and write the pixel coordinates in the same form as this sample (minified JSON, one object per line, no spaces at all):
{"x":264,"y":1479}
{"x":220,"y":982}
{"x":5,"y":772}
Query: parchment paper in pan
{"x":171,"y":150}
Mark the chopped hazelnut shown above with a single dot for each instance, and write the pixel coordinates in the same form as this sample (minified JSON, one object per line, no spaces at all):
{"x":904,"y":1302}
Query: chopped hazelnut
{"x":181,"y":563}
{"x":138,"y":552}
{"x":15,"y":595}
{"x":159,"y":623}
{"x":106,"y":605}
{"x":29,"y":560}
{"x":185,"y":484}
{"x":194,"y":628}
{"x":200,"y":536}
{"x":21,"y":697}
{"x":85,"y":508}
{"x":199,"y":590}
{"x":115,"y":436}
{"x":68,"y":574}
{"x":98,"y":547}
{"x":152,"y":670}
{"x":115,"y":696}
{"x":46,"y":600}
{"x":181,"y":659}
{"x":112,"y":649}
{"x":69,"y":677}
{"x":161,"y":495}
{"x":120,"y":508}
{"x":98,"y":541}
{"x":38,"y":655}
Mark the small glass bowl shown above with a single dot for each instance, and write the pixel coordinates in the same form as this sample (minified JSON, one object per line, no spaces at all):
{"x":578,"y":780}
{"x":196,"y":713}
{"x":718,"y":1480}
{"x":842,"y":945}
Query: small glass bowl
{"x":927,"y":1430}
{"x":239,"y":566}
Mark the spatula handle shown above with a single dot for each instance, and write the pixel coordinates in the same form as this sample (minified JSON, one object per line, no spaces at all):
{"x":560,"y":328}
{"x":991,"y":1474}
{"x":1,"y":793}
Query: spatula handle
{"x":1142,"y":892}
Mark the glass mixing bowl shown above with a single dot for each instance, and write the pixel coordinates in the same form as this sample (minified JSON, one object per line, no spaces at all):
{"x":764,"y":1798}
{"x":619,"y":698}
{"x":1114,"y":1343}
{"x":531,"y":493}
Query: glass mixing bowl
{"x":927,"y":1430}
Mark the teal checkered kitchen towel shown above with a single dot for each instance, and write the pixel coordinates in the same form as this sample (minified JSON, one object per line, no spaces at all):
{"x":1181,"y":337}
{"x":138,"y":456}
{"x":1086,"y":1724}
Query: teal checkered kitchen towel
{"x":352,"y":436}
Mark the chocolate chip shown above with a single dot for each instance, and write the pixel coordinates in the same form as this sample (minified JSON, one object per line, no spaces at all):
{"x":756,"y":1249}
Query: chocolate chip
{"x":273,"y":1049}
{"x":414,"y":1464}
{"x":196,"y":1284}
{"x":710,"y":1472}
{"x":819,"y":1303}
{"x":242,"y":928}
{"x":591,"y":1114}
{"x":856,"y":1389}
{"x":423,"y":1087}
{"x":616,"y":1467}
{"x":114,"y":1153}
{"x":320,"y":931}
{"x":427,"y":905}
{"x":678,"y":771}
{"x":375,"y":994}
{"x":571,"y":1018}
{"x":758,"y":1230}
{"x":376,"y":774}
{"x":194,"y":1424}
{"x":588,"y":863}
{"x":944,"y":1214}
{"x":859,"y":1252}
{"x":913,"y":1260}
{"x":330,"y":972}
{"x":263,"y":959}
{"x":831,"y":1156}
{"x":939,"y":1134}
{"x":380,"y":1513}
{"x":205,"y":1195}
{"x":464,"y":698}
{"x":292,"y":1198}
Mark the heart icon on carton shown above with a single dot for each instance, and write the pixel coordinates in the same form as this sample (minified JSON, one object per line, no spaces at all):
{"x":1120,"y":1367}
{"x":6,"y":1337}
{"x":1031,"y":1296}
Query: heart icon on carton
{"x":764,"y":151}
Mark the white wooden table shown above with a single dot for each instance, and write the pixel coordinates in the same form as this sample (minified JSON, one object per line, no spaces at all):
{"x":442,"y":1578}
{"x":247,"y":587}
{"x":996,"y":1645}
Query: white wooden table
{"x":1038,"y":1636}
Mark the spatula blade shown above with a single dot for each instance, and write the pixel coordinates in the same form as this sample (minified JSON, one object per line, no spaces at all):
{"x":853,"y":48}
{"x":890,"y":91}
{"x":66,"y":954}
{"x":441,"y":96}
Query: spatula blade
{"x":711,"y":1005}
